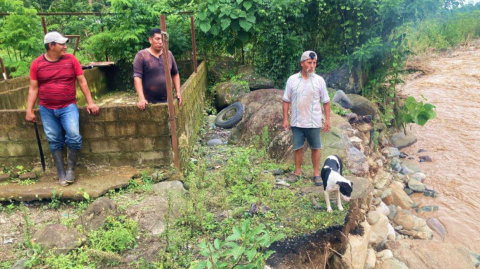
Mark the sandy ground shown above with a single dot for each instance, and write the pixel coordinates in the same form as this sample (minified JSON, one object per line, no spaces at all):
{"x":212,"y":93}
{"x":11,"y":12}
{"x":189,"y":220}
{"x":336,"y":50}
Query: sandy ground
{"x":452,"y":84}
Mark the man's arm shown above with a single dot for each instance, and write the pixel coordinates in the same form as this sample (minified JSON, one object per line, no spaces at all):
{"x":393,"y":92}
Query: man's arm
{"x":326,"y":107}
{"x":176,"y":84}
{"x":142,"y":102}
{"x":92,"y":108}
{"x":32,"y":97}
{"x":286,"y":107}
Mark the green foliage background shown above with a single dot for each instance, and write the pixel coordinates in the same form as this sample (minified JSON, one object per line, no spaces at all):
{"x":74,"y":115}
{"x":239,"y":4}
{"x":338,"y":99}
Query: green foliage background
{"x":271,"y":34}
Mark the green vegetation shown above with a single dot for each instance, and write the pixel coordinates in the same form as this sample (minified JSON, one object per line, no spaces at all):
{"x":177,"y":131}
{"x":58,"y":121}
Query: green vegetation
{"x":248,"y":253}
{"x":232,"y":212}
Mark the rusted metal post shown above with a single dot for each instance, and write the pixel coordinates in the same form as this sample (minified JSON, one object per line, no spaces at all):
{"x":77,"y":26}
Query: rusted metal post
{"x":44,"y":24}
{"x":76,"y":44}
{"x":3,"y":69}
{"x":194,"y":47}
{"x":168,"y":78}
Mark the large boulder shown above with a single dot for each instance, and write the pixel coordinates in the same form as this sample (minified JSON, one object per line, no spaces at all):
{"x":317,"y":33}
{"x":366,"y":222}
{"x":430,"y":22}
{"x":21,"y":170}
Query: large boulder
{"x":398,"y":197}
{"x":357,"y":162}
{"x":405,"y":219}
{"x":424,"y":254}
{"x":342,"y":99}
{"x":345,"y":79}
{"x":227,"y":93}
{"x":222,"y":68}
{"x":255,"y":82}
{"x":263,"y":111}
{"x":400,"y":140}
{"x":361,"y":187}
{"x":362,"y":106}
{"x":153,"y":212}
{"x":59,"y":237}
{"x":382,"y":179}
{"x":379,"y":230}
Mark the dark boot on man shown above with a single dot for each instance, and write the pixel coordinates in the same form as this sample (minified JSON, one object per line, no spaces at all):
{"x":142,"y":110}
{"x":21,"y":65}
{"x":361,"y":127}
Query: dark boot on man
{"x":72,"y":156}
{"x":58,"y":159}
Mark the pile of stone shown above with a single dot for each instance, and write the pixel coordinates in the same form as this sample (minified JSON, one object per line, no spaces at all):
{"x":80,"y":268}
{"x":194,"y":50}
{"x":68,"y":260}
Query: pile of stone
{"x":393,"y":235}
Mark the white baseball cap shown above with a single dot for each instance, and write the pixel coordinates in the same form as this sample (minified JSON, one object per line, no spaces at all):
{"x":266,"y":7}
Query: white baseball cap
{"x":54,"y":37}
{"x":308,"y":55}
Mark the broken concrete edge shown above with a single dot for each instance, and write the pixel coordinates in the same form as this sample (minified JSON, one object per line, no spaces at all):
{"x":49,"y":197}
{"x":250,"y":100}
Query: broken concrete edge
{"x":80,"y":194}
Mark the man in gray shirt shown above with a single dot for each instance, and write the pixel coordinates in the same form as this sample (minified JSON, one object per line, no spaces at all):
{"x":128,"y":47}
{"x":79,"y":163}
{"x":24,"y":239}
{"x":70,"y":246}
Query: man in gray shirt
{"x":149,"y":74}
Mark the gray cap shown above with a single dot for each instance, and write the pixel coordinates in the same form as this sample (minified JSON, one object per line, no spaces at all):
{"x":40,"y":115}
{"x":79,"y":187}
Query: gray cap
{"x":54,"y":37}
{"x":308,"y":55}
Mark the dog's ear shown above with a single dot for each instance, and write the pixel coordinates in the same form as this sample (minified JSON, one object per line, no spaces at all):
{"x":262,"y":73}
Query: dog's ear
{"x":345,"y":188}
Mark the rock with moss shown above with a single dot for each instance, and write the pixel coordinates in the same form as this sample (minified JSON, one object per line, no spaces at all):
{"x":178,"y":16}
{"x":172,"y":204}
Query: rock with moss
{"x":255,"y":81}
{"x":222,"y":69}
{"x":227,"y":93}
{"x":59,"y":237}
{"x":97,"y":213}
{"x":362,"y":106}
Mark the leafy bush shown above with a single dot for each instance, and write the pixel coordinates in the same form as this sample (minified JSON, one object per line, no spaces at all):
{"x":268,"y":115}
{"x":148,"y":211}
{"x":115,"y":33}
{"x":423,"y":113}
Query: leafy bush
{"x":118,"y":235}
{"x":244,"y":248}
{"x":416,"y":112}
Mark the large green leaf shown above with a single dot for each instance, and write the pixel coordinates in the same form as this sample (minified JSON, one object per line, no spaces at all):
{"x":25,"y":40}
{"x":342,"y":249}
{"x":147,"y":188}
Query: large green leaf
{"x":236,"y":252}
{"x":251,"y":18}
{"x":225,"y":23}
{"x":251,"y":254}
{"x":247,"y":5}
{"x":202,"y":16}
{"x":422,"y":118}
{"x":205,"y":26}
{"x":215,"y":30}
{"x":245,"y":24}
{"x":212,"y":8}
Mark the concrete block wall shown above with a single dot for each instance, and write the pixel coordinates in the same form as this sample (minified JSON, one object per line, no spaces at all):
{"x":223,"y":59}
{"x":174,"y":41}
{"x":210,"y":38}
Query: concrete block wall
{"x":121,"y":135}
{"x":190,"y":114}
{"x":14,"y":92}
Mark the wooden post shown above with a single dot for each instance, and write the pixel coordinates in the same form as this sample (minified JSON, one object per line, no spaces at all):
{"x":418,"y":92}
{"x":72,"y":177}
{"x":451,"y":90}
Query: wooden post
{"x":194,"y":47}
{"x":3,"y":69}
{"x":168,"y":78}
{"x":44,"y":24}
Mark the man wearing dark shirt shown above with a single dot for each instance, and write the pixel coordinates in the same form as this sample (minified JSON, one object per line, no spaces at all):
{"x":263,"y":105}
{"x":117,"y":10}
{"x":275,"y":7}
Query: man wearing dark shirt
{"x":52,"y":80}
{"x":149,"y":74}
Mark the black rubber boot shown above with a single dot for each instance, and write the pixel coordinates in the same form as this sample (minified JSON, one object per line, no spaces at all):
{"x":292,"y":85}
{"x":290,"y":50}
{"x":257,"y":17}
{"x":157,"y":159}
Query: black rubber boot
{"x":58,"y":159}
{"x":72,"y":156}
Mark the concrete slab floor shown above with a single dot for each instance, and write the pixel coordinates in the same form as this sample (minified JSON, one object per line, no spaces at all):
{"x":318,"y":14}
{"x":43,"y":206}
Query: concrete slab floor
{"x":95,"y":181}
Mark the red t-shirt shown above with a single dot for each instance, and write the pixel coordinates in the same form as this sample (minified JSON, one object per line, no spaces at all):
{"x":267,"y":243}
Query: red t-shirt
{"x":56,"y":80}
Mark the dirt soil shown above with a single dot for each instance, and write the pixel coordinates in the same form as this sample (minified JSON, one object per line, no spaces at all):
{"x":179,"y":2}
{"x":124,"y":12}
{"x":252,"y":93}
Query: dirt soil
{"x":451,"y":83}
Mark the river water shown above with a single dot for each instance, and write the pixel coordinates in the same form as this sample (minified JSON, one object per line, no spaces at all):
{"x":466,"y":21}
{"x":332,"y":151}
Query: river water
{"x":452,"y":84}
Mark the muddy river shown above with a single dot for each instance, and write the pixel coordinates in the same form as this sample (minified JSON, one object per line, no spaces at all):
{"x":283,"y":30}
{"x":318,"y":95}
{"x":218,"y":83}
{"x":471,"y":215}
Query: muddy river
{"x":452,"y":84}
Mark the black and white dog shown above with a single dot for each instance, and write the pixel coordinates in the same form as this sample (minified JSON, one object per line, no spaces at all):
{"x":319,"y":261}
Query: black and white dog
{"x":333,"y":180}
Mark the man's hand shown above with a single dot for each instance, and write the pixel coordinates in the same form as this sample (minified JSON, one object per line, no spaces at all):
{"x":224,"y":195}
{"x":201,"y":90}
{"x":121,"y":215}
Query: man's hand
{"x":93,"y":109}
{"x":142,"y":104}
{"x":285,"y":124}
{"x":327,"y":126}
{"x":180,"y":100}
{"x":31,"y":116}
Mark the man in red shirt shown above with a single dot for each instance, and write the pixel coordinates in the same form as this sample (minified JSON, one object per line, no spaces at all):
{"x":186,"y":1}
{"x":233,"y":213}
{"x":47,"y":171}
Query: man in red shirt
{"x":52,"y":80}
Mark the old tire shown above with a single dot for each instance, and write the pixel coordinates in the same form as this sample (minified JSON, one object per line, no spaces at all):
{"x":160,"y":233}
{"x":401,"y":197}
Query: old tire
{"x":227,"y":123}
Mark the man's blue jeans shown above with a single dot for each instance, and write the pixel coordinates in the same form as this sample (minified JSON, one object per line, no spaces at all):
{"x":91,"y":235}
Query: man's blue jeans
{"x":54,"y":120}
